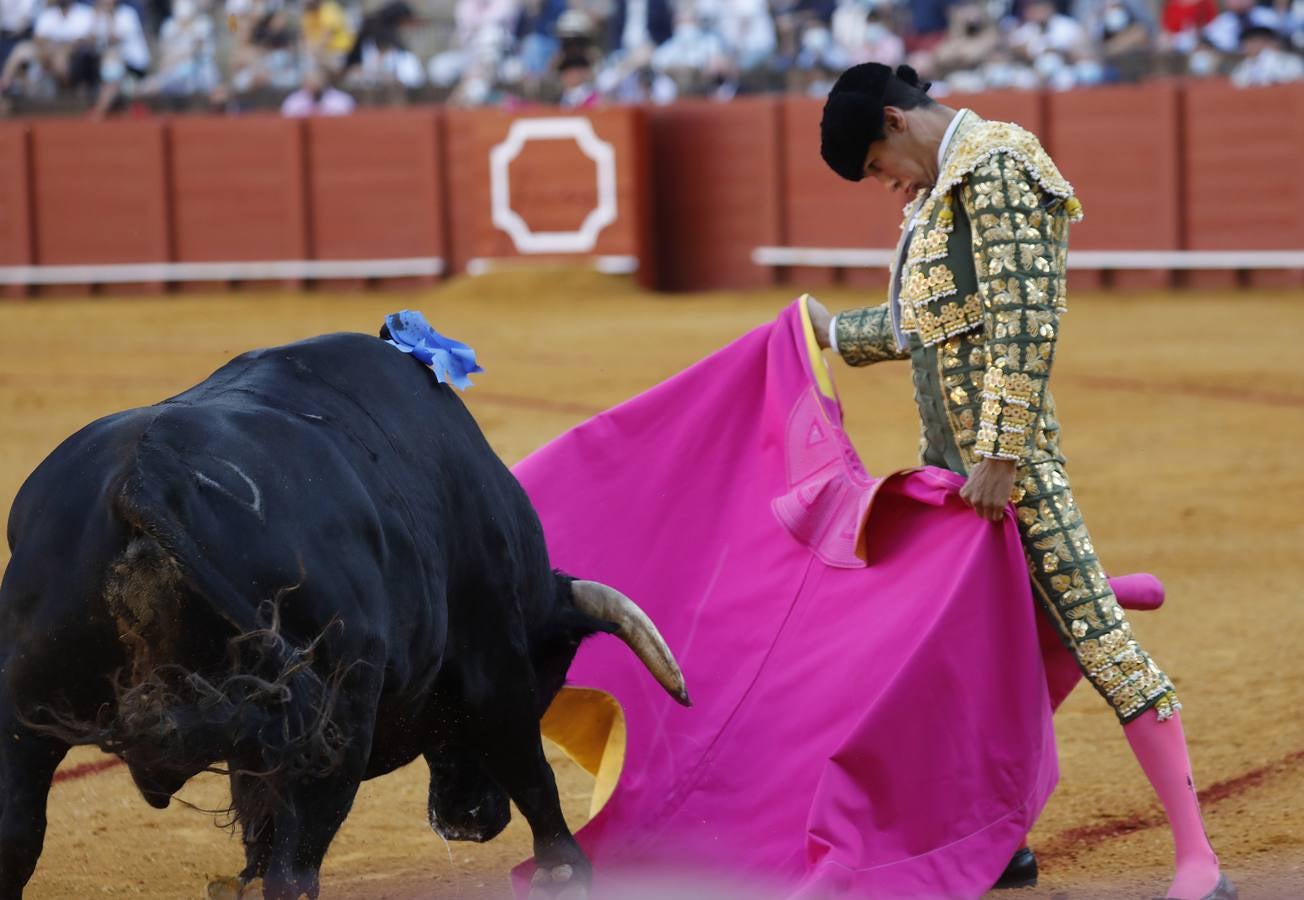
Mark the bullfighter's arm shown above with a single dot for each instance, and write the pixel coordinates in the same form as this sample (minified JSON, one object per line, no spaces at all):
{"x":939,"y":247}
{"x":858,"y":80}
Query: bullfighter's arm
{"x":1020,"y":239}
{"x":864,"y":336}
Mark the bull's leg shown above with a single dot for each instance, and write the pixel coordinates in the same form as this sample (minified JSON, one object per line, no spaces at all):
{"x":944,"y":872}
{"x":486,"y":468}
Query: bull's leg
{"x":27,"y":764}
{"x":513,"y":752}
{"x":302,"y":834}
{"x":256,"y":825}
{"x":314,"y":808}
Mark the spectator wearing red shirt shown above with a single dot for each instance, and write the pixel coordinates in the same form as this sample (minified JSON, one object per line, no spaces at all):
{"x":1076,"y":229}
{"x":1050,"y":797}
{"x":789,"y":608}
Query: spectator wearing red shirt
{"x":1182,"y":21}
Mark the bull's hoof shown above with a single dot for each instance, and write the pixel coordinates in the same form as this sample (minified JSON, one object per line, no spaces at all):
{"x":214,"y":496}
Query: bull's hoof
{"x":558,"y":883}
{"x":234,"y":889}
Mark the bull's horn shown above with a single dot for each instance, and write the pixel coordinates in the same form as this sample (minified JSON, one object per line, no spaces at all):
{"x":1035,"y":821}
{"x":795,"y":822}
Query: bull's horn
{"x":636,"y":630}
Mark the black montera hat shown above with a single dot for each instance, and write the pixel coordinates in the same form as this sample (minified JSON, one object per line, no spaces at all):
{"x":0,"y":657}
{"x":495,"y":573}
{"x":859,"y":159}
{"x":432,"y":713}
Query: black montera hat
{"x":853,"y":115}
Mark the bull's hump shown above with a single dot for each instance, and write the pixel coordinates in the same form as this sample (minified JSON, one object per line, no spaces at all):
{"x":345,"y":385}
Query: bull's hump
{"x":229,"y":480}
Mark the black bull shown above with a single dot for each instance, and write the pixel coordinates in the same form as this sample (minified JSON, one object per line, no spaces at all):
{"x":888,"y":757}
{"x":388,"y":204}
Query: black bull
{"x":312,"y":569}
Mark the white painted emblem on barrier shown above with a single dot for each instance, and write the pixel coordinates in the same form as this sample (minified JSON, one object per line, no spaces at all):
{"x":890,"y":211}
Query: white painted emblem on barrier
{"x":575,"y":128}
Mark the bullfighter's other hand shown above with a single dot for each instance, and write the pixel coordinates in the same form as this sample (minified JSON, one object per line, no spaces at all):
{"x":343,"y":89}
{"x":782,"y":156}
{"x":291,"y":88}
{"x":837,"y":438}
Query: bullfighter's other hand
{"x":989,"y":486}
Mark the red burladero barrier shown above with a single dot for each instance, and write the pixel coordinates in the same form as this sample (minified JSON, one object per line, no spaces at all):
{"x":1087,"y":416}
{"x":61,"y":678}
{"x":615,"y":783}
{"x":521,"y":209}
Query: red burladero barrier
{"x":683,"y":193}
{"x":714,"y":166}
{"x":548,"y":186}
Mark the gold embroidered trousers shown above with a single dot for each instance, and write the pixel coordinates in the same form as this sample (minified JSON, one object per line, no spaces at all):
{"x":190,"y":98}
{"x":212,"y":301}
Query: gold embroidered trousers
{"x":1066,"y":575}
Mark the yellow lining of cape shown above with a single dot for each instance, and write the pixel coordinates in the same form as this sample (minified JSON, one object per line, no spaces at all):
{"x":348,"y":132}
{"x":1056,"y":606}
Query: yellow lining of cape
{"x":818,"y":367}
{"x":589,"y":727}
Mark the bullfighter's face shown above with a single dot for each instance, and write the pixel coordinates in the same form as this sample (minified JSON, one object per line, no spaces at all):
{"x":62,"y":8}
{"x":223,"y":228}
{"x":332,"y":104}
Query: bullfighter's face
{"x":902,"y":160}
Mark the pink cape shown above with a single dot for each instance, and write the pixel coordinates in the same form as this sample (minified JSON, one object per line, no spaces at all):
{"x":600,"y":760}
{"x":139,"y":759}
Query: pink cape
{"x":879,"y":729}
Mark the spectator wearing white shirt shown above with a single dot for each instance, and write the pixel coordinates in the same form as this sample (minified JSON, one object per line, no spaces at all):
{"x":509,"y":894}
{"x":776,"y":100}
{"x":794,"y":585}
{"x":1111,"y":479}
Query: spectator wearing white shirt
{"x":124,"y":53}
{"x":262,"y":51}
{"x":862,"y":33}
{"x":747,"y":30}
{"x":187,"y":54}
{"x":1238,"y":16}
{"x":1045,"y":31}
{"x":483,"y":29}
{"x":16,"y":18}
{"x":62,"y":46}
{"x":1266,"y":61}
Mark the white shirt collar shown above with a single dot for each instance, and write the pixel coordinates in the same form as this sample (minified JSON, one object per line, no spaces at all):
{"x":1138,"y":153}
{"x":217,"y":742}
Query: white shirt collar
{"x":946,"y":139}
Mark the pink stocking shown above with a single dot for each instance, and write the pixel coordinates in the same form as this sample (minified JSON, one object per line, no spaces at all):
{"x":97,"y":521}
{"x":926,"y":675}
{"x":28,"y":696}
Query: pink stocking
{"x":1160,"y":748}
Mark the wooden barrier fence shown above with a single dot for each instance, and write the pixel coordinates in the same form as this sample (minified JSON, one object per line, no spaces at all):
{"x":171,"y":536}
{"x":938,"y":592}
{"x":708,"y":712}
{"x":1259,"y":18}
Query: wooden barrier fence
{"x":1191,"y":183}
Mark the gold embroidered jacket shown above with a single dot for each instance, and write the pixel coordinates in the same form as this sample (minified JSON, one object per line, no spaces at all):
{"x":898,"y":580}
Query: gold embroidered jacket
{"x":988,"y":253}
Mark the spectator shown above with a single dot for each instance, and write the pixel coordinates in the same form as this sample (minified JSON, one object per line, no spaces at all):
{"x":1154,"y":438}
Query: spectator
{"x":482,"y":37}
{"x":1266,"y":60}
{"x":1045,"y":31}
{"x":379,"y":55}
{"x":691,"y":50}
{"x":124,"y":54}
{"x":1182,"y":22}
{"x":576,"y":76}
{"x":325,"y":32}
{"x":264,"y":50}
{"x":1225,"y":31}
{"x":474,"y":17}
{"x":634,"y":80}
{"x":863,"y":33}
{"x":536,"y":37}
{"x":186,"y":54}
{"x":747,"y":30}
{"x":972,"y":37}
{"x":635,"y":24}
{"x":1122,"y":34}
{"x":316,"y":98}
{"x":577,"y":34}
{"x":62,"y":47}
{"x":16,"y":18}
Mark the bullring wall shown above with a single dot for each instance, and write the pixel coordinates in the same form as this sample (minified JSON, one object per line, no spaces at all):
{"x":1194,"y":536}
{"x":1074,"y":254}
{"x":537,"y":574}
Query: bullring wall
{"x":682,"y":194}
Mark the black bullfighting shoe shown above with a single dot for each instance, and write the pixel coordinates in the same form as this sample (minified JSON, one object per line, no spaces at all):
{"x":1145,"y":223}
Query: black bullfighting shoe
{"x":1223,"y":890}
{"x":1020,"y":873}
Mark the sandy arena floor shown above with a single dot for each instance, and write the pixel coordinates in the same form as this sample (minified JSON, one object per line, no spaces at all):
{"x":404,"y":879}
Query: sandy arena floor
{"x":1184,"y":419}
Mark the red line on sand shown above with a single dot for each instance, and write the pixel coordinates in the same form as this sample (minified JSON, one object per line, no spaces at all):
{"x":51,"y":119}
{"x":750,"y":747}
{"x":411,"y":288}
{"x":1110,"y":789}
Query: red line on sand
{"x":84,"y":769}
{"x":1239,"y":784}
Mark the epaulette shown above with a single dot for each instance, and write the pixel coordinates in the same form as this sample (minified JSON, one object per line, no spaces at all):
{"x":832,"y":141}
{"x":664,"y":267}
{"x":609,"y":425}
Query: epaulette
{"x":984,"y":140}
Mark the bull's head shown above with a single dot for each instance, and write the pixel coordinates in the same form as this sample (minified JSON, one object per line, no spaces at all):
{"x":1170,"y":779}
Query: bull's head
{"x":584,"y":608}
{"x":465,"y":802}
{"x":632,"y":625}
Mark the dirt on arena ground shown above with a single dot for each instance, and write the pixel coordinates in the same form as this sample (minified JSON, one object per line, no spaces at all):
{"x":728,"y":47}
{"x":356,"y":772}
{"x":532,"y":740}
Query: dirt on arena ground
{"x":1184,"y":419}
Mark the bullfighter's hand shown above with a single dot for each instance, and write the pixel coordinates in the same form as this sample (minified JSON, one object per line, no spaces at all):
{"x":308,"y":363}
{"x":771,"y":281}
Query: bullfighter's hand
{"x":821,"y":319}
{"x":989,"y":486}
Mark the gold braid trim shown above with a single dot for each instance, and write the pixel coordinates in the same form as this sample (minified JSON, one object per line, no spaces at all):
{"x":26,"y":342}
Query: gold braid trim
{"x":984,"y":140}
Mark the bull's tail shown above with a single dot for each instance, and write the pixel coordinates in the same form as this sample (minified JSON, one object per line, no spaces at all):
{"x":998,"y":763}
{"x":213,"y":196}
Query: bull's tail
{"x":211,"y":676}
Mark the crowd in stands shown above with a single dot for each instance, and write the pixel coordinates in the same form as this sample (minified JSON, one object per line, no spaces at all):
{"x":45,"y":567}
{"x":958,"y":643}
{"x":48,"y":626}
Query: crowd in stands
{"x":315,"y":56}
